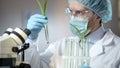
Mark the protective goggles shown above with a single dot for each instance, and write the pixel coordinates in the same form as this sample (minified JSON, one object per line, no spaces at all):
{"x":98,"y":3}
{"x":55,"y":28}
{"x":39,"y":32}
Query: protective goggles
{"x":79,"y":13}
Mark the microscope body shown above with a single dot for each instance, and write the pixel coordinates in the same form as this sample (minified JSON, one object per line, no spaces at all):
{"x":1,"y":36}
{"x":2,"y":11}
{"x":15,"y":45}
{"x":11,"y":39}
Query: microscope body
{"x":10,"y":42}
{"x":6,"y":45}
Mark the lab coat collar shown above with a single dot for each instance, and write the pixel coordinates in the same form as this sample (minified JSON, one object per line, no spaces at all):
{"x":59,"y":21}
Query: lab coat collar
{"x":108,"y":38}
{"x":97,"y":35}
{"x":99,"y":47}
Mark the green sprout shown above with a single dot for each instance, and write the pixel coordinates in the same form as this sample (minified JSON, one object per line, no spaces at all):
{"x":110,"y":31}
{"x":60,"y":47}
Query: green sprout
{"x":82,"y":36}
{"x":43,"y":11}
{"x":83,"y":45}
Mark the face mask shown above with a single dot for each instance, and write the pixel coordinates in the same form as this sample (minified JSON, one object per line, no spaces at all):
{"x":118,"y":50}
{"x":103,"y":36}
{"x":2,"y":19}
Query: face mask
{"x":78,"y":26}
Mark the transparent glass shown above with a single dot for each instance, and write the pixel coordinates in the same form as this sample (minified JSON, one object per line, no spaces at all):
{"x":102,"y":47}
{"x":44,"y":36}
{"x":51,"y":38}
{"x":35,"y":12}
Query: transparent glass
{"x":79,"y":13}
{"x":74,"y":54}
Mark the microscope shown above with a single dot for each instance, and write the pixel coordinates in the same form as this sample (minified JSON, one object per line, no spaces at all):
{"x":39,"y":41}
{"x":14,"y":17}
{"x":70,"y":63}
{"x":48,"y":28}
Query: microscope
{"x":12,"y":46}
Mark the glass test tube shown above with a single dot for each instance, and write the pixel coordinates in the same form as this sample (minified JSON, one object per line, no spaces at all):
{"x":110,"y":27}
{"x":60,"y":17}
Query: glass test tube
{"x":46,"y":33}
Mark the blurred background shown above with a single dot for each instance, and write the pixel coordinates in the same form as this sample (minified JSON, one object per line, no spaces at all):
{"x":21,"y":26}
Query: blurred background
{"x":15,"y":13}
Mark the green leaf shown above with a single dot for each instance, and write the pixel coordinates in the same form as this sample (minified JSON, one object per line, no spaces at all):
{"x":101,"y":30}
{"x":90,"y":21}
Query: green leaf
{"x":78,"y":31}
{"x":40,"y":6}
{"x":43,"y":11}
{"x":82,"y":36}
{"x":45,"y":6}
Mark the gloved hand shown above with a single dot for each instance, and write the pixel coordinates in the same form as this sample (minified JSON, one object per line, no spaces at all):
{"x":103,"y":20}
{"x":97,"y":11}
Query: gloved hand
{"x":84,"y":67}
{"x":35,"y":24}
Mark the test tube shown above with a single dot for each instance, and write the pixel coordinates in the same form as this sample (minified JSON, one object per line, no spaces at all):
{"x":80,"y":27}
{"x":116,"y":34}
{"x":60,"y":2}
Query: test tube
{"x":46,"y":33}
{"x":85,"y":54}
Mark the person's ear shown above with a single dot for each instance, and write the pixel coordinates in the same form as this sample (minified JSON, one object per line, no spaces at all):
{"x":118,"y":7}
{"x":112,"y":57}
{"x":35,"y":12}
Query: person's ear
{"x":98,"y":17}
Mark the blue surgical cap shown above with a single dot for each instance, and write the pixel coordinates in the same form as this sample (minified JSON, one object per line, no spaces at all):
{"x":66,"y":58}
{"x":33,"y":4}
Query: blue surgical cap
{"x":101,"y":7}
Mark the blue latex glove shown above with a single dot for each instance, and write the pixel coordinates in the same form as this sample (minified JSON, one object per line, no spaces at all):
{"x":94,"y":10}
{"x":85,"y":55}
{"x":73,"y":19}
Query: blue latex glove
{"x":35,"y":24}
{"x":84,"y":67}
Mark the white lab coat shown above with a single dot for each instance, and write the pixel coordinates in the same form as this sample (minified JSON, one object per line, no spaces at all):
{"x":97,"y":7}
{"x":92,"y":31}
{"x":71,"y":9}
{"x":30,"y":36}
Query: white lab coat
{"x":105,"y":53}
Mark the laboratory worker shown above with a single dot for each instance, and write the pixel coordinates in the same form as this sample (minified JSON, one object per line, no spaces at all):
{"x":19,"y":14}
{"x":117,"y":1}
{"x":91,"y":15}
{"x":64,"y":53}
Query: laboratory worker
{"x":86,"y":18}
